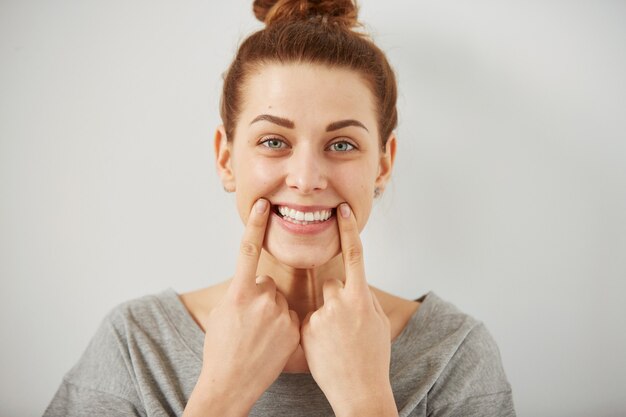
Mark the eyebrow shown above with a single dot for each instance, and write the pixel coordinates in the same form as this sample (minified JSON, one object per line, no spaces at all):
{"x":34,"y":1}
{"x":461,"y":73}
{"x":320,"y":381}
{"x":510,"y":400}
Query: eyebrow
{"x":274,"y":119}
{"x":290,"y":124}
{"x":344,"y":123}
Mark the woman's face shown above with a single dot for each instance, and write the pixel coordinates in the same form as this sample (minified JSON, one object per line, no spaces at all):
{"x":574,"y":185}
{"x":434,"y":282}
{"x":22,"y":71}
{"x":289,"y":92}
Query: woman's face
{"x":306,"y":140}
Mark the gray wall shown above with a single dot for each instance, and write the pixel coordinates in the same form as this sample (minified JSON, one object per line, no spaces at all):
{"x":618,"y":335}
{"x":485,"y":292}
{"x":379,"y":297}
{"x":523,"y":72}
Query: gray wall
{"x":508,"y":199}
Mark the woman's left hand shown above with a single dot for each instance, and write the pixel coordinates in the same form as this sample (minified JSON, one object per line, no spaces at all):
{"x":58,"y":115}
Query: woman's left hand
{"x":347,"y":341}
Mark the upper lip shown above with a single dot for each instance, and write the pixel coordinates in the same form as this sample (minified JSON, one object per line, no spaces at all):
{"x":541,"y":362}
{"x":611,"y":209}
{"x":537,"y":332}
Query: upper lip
{"x":303,"y":208}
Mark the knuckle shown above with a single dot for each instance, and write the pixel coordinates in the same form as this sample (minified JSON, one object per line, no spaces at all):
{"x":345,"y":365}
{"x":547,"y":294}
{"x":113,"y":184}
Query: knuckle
{"x":327,"y":288}
{"x":249,"y":249}
{"x":359,"y":303}
{"x":280,"y":298}
{"x":239,"y":298}
{"x":270,"y":281}
{"x":354,"y":254}
{"x":285,"y":320}
{"x":314,"y":319}
{"x":267,"y":297}
{"x":265,"y":280}
{"x":295,"y":320}
{"x":295,"y":331}
{"x":331,"y":305}
{"x":268,"y":286}
{"x":332,"y":283}
{"x":264,"y":307}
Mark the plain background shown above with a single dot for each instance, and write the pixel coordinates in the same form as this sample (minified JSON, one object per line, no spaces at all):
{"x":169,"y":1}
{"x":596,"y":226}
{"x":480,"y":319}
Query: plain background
{"x":508,"y":196}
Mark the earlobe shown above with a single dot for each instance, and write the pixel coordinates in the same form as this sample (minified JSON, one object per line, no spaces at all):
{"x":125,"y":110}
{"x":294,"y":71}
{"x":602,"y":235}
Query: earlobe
{"x":223,"y":159}
{"x":385,"y":166}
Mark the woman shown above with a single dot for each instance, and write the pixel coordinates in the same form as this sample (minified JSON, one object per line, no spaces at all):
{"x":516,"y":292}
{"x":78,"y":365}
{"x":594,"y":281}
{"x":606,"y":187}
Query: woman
{"x":307,"y":143}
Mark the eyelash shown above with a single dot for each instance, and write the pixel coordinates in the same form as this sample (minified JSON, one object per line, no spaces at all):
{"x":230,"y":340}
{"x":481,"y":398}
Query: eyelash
{"x":266,"y":141}
{"x":351,"y":146}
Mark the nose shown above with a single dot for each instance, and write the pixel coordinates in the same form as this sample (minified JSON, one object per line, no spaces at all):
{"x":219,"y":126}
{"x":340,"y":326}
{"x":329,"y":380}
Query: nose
{"x":305,"y":171}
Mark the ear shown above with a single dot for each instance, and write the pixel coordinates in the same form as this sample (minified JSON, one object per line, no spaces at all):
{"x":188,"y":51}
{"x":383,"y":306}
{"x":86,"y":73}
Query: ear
{"x":223,"y":159}
{"x":386,"y":161}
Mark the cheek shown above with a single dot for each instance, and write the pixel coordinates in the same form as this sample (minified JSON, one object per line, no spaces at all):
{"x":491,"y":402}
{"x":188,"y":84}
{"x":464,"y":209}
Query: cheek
{"x":350,"y":177}
{"x":254,"y":171}
{"x":355,"y":184}
{"x":255,"y":178}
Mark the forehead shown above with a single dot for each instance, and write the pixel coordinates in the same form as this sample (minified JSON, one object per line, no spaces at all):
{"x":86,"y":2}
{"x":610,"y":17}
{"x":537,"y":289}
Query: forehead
{"x":307,"y":91}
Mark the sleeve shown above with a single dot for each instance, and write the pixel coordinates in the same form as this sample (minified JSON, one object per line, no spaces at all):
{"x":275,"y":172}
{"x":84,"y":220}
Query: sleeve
{"x":74,"y":401}
{"x":474,"y":383}
{"x":101,"y":383}
{"x":499,"y":404}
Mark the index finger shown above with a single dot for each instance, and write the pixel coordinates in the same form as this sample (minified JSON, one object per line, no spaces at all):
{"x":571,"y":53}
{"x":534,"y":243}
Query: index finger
{"x":251,"y":245}
{"x":351,"y":248}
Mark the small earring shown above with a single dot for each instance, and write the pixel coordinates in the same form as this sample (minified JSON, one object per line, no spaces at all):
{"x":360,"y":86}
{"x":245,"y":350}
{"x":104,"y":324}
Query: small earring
{"x":227,"y":190}
{"x":376,"y":192}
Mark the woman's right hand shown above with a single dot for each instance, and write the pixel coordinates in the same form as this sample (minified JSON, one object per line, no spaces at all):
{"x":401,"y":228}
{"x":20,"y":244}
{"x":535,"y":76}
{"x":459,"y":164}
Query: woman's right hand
{"x":250,"y":334}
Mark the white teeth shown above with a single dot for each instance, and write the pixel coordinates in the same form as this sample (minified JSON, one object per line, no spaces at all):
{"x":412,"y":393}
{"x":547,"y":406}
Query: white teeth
{"x":304,"y":217}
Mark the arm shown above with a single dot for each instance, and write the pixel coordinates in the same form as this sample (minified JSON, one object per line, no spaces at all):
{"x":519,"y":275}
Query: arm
{"x":347,"y":341}
{"x":257,"y":334}
{"x":379,"y":403}
{"x":205,"y":401}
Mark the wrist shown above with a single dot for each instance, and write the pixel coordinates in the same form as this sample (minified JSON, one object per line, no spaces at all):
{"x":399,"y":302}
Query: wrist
{"x":376,"y":403}
{"x":213,"y":399}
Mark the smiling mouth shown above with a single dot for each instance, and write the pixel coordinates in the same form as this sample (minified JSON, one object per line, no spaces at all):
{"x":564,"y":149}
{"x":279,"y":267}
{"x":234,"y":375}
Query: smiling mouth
{"x":304,"y":217}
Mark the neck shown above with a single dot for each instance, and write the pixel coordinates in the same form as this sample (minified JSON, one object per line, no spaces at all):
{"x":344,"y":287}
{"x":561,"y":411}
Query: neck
{"x":301,"y":287}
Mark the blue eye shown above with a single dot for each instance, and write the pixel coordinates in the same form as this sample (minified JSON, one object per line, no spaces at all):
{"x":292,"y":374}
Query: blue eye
{"x":342,"y":146}
{"x":273,"y":143}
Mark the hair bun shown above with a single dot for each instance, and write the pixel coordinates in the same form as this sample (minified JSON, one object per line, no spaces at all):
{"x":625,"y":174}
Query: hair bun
{"x":341,"y":12}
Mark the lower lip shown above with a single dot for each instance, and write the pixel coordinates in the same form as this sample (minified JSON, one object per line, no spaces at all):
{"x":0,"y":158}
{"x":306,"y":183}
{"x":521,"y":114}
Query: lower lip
{"x":304,"y":229}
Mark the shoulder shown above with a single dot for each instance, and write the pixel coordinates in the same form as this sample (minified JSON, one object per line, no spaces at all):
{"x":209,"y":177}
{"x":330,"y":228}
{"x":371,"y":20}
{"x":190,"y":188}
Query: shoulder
{"x":105,"y":379}
{"x":109,"y":354}
{"x":438,"y":326}
{"x":471,"y":373}
{"x":146,"y":305}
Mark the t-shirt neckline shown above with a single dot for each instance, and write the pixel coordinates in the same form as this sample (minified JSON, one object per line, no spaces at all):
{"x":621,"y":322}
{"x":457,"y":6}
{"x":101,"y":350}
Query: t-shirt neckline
{"x":193,"y":337}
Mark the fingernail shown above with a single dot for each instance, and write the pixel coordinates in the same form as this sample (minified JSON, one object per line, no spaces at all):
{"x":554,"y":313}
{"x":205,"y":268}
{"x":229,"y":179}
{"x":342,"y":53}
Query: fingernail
{"x":261,"y":205}
{"x":345,"y":210}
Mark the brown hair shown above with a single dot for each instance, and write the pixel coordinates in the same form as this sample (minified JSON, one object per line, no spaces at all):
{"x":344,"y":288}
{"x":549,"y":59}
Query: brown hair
{"x":316,"y":32}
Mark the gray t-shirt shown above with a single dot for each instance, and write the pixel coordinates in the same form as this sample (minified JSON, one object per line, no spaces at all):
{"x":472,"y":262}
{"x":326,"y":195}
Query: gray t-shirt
{"x":145,"y":358}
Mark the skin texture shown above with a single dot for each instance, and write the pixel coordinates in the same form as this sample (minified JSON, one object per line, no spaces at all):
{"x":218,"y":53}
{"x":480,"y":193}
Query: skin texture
{"x":257,"y":332}
{"x":307,"y":170}
{"x":300,"y":300}
{"x":346,"y":341}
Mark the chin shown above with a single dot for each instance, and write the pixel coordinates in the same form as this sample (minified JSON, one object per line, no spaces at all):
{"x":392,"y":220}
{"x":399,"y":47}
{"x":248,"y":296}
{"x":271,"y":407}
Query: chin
{"x":301,"y":258}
